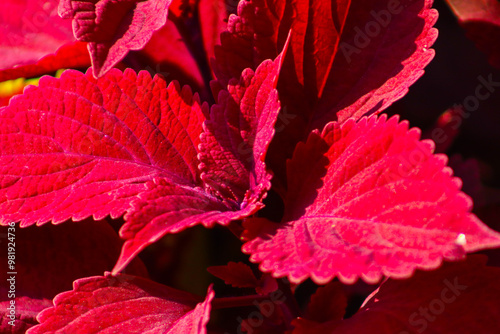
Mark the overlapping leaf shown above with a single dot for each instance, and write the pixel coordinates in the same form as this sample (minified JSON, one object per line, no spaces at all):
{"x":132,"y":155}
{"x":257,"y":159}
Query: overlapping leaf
{"x":78,"y":146}
{"x":344,"y":60}
{"x":457,"y":298}
{"x":481,"y":21}
{"x":112,"y":28}
{"x":365,"y":200}
{"x":233,"y":174}
{"x":48,"y":259}
{"x":105,"y":137}
{"x":124,"y":304}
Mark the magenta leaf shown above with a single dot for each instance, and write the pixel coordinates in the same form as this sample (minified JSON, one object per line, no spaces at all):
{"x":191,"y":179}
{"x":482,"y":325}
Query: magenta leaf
{"x":457,"y":298}
{"x":375,"y":202}
{"x":335,"y":68}
{"x":237,"y":135}
{"x":481,"y":21}
{"x":124,"y":304}
{"x":112,"y":28}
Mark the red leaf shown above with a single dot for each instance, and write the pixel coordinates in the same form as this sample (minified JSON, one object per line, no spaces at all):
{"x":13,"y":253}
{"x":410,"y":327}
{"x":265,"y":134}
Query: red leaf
{"x":457,"y":298}
{"x":231,"y":151}
{"x":375,"y":202}
{"x":31,"y":29}
{"x":328,"y":303}
{"x":328,"y":60}
{"x":481,"y":21}
{"x":382,"y":52}
{"x":261,"y":28}
{"x":237,"y":274}
{"x":168,"y":52}
{"x":36,"y":40}
{"x":124,"y":304}
{"x":252,"y":36}
{"x":213,"y":17}
{"x":71,"y":55}
{"x":106,"y":138}
{"x":49,"y":258}
{"x":237,"y":135}
{"x":17,"y":318}
{"x":112,"y":28}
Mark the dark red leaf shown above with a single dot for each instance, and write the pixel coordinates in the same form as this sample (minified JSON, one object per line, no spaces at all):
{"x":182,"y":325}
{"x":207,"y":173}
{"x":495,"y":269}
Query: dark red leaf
{"x":367,"y":199}
{"x":328,"y":303}
{"x":168,"y":52}
{"x":17,"y":318}
{"x":31,"y":29}
{"x":237,"y":274}
{"x":383,"y":51}
{"x":457,"y":298}
{"x":48,"y":259}
{"x":481,"y":21}
{"x":124,"y":304}
{"x":112,"y":28}
{"x":357,"y":58}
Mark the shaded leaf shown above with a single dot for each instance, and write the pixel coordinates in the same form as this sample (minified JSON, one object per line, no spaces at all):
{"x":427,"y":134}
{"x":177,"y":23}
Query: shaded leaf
{"x":457,"y":298}
{"x":48,"y":259}
{"x":328,"y":303}
{"x":124,"y":304}
{"x":367,"y":199}
{"x":481,"y":21}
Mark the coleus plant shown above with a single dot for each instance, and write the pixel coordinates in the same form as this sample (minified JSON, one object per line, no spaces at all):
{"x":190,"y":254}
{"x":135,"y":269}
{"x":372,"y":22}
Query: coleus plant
{"x":283,"y":144}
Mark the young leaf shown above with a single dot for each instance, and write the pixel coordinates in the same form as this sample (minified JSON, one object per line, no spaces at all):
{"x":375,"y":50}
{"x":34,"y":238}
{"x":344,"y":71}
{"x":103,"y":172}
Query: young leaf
{"x":124,"y":304}
{"x":31,"y":30}
{"x":112,"y":28}
{"x":481,"y":21}
{"x":457,"y":298}
{"x":233,"y":174}
{"x":367,"y":199}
